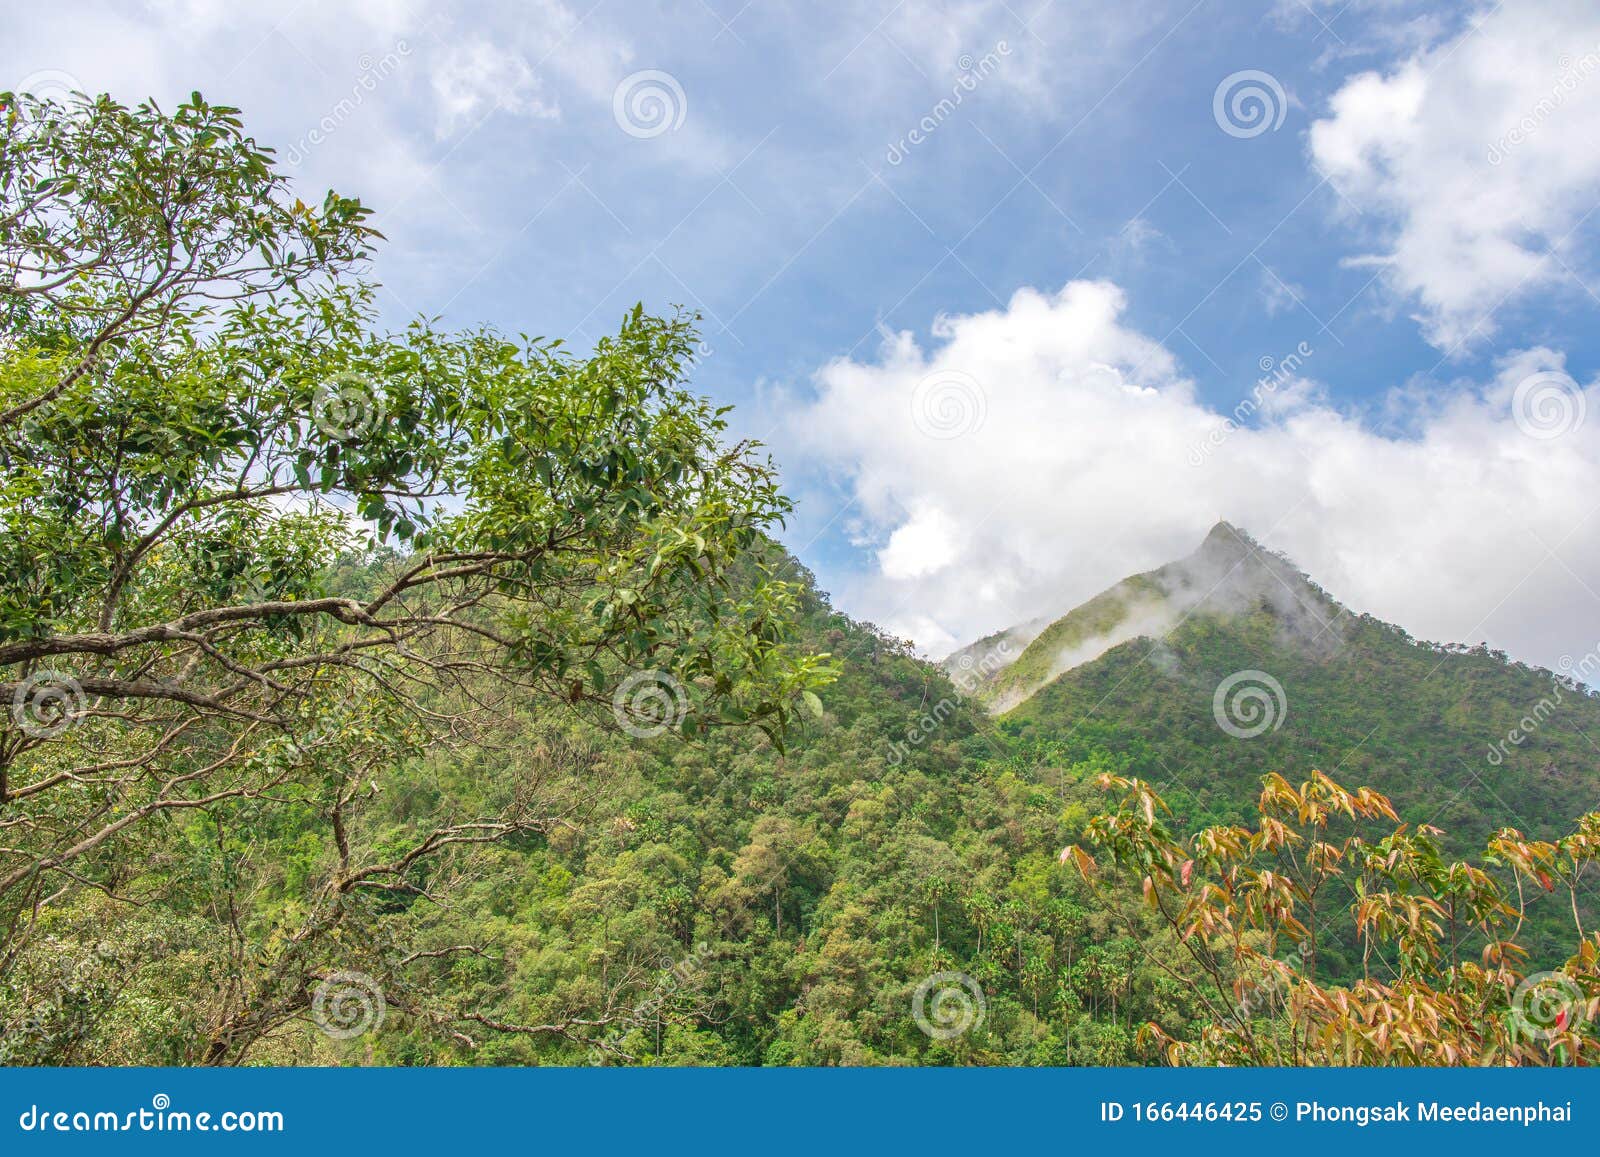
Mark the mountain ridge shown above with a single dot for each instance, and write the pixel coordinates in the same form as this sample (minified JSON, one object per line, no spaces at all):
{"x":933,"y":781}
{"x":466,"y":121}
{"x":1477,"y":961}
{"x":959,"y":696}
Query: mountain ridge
{"x":1241,"y":629}
{"x":1228,"y":572}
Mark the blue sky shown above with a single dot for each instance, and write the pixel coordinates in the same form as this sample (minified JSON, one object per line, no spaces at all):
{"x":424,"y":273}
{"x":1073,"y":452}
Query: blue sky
{"x":1086,"y":260}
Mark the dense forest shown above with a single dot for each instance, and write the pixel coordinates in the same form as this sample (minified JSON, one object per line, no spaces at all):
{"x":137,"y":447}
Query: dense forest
{"x":1430,"y":726}
{"x":717,"y":900}
{"x":445,"y":698}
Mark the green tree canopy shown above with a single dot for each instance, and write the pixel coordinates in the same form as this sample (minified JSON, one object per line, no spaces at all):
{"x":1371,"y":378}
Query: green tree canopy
{"x":250,"y":542}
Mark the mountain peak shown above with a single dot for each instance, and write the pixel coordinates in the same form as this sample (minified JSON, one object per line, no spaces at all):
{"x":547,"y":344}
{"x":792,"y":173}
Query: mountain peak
{"x":1232,"y":566}
{"x":1225,"y":540}
{"x":1226,"y":531}
{"x":1229,"y":576}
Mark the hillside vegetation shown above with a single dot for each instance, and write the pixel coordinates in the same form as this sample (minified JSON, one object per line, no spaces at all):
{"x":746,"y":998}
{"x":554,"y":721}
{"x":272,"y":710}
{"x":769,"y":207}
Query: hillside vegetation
{"x":442,"y":697}
{"x":1256,"y":671}
{"x":1426,"y":724}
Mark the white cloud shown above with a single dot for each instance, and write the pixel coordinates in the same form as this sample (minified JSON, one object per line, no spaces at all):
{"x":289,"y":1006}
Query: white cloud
{"x":475,"y":77}
{"x":1083,"y":470}
{"x":1478,"y":155}
{"x":923,"y":545}
{"x":1279,"y":296}
{"x":1055,"y":54}
{"x":374,"y":98}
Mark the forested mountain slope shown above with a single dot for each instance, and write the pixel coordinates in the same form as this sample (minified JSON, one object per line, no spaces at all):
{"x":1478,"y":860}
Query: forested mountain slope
{"x":1251,"y":668}
{"x":784,"y":907}
{"x":430,"y":697}
{"x":715,"y":900}
{"x":1429,"y":725}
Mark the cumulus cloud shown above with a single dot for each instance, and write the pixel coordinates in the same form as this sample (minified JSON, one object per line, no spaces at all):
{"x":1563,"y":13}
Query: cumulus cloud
{"x":1477,"y":156}
{"x":1060,"y":450}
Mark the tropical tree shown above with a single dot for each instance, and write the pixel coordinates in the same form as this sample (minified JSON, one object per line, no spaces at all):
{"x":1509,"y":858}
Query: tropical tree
{"x":254,"y":548}
{"x":1253,"y":908}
